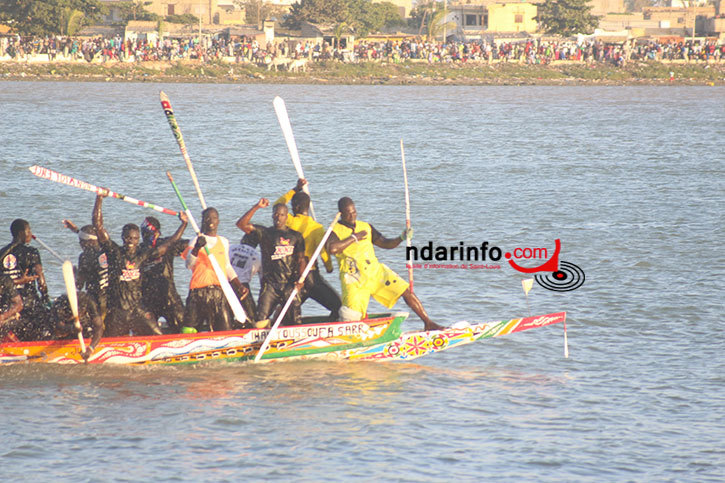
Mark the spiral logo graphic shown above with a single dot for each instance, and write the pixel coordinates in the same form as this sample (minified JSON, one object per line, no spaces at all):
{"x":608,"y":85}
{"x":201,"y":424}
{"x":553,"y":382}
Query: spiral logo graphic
{"x":568,"y":277}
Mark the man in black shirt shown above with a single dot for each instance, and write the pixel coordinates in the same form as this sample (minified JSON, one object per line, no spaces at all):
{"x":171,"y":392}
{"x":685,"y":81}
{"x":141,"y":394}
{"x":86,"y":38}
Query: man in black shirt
{"x":283,"y":261}
{"x":126,"y":312}
{"x":92,"y":273}
{"x":88,"y":315}
{"x":157,"y":282}
{"x":21,"y":262}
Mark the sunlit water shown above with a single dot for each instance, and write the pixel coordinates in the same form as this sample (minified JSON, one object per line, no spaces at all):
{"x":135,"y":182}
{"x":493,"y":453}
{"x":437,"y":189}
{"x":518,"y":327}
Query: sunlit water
{"x":630,"y":179}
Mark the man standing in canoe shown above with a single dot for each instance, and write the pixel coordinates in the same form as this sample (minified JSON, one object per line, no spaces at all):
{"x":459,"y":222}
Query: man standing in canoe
{"x":206,"y":305}
{"x":126,"y":312}
{"x":21,"y":262}
{"x":157,"y":282}
{"x":315,"y":287}
{"x":247,"y":262}
{"x":92,"y":273}
{"x":361,"y":274}
{"x":283,"y":261}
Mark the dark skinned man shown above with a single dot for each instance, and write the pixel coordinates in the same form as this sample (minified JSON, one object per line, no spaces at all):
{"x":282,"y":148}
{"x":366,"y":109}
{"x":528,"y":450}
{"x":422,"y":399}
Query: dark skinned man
{"x":92,"y":272}
{"x":126,"y":311}
{"x":315,"y":287}
{"x":21,"y":262}
{"x":159,"y":290}
{"x":361,"y":274}
{"x":283,"y":261}
{"x":206,"y":305}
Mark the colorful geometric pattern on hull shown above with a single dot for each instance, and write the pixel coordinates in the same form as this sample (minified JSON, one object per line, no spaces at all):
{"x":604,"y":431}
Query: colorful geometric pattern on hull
{"x":412,"y":345}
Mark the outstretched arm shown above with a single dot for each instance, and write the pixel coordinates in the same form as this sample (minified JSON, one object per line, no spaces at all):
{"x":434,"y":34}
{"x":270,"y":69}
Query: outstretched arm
{"x":244,"y":223}
{"x":98,"y":219}
{"x":285,"y":198}
{"x":164,"y":247}
{"x":380,"y":241}
{"x":71,"y":226}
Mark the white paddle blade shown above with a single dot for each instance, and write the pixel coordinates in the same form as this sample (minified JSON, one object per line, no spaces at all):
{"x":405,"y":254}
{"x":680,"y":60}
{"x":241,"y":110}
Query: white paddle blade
{"x":281,"y":110}
{"x":70,"y":287}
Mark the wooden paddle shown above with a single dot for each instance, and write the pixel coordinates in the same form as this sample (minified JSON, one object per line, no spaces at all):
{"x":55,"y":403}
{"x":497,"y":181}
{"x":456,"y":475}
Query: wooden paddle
{"x":281,"y":110}
{"x":407,"y":214}
{"x":70,"y":287}
{"x":169,"y":111}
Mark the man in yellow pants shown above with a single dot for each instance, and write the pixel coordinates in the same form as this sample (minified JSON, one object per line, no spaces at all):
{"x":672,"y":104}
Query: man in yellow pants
{"x":361,"y":274}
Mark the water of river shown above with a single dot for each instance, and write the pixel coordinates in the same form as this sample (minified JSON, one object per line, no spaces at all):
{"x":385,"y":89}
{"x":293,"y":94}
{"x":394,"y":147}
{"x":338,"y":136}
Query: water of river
{"x":630,"y":179}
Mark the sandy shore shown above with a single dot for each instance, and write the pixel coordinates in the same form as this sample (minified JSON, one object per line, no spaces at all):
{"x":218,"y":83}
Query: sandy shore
{"x":372,"y":73}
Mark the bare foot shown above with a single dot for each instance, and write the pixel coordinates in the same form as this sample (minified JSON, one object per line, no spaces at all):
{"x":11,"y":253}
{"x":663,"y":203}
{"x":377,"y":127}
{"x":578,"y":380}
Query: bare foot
{"x":432,"y":326}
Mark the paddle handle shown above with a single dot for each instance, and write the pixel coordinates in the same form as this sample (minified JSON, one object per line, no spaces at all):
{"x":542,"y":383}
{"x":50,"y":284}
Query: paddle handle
{"x":52,"y":252}
{"x":407,"y":213}
{"x":169,"y":111}
{"x":287,"y":304}
{"x":51,"y":175}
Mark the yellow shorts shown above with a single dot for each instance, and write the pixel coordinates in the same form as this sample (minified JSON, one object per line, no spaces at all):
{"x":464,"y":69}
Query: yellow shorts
{"x":381,"y":282}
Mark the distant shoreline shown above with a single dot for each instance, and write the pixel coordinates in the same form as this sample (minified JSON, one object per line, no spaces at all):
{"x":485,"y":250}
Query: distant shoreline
{"x":376,"y":73}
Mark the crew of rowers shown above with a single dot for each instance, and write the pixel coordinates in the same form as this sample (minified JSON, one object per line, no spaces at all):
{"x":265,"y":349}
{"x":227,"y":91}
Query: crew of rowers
{"x":125,"y":289}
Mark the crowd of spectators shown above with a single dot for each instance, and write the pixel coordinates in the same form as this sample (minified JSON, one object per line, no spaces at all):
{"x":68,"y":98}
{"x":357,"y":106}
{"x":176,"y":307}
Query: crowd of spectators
{"x":531,"y":51}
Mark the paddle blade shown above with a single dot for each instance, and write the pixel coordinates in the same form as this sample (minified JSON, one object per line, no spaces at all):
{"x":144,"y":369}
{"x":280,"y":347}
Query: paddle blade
{"x":70,"y":287}
{"x":281,"y":110}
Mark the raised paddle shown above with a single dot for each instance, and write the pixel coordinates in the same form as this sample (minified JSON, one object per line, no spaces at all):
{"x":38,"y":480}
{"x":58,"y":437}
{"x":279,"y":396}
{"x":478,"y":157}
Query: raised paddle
{"x":407,"y":214}
{"x":226,"y":287}
{"x":309,"y":266}
{"x":51,"y":175}
{"x":169,"y":111}
{"x":281,"y":110}
{"x":70,"y":287}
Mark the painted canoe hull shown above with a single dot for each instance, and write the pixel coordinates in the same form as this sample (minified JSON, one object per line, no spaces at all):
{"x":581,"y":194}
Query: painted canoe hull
{"x":303,"y":341}
{"x":412,"y":345}
{"x":378,"y":338}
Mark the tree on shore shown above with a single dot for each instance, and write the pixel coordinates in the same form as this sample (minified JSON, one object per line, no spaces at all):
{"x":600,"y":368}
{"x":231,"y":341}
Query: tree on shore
{"x":256,"y":11}
{"x":49,"y":17}
{"x":362,"y":16}
{"x":136,"y":10}
{"x":567,"y":17}
{"x":430,"y":17}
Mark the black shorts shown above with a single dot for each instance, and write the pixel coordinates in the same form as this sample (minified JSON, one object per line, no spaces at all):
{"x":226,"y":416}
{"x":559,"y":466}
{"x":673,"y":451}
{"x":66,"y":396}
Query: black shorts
{"x":206,"y":308}
{"x":275,"y":295}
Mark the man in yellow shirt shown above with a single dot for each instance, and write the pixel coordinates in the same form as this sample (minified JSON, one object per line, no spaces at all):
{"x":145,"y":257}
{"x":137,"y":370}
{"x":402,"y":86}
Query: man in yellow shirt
{"x":315,"y":287}
{"x":361,"y":274}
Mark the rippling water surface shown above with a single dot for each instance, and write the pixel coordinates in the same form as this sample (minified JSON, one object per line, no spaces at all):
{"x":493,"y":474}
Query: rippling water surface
{"x":631,"y":179}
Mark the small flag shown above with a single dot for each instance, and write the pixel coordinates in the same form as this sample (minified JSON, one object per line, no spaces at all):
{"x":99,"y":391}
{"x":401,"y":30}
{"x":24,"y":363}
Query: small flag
{"x":527,"y":284}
